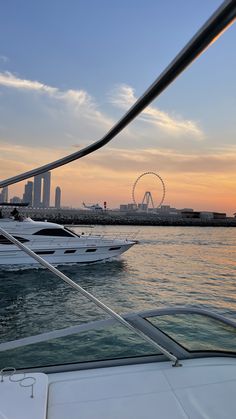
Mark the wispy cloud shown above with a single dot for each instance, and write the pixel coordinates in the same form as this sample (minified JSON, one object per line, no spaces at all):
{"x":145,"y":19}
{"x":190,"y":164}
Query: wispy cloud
{"x":124,"y":97}
{"x":121,"y":161}
{"x":79,"y":97}
{"x":65,"y":104}
{"x":164,"y":161}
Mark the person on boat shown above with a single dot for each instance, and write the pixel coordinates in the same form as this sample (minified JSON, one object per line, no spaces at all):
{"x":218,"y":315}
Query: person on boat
{"x":15,"y":213}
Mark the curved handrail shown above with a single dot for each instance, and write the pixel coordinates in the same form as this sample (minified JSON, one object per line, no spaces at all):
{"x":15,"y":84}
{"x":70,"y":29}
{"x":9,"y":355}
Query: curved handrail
{"x":212,"y":29}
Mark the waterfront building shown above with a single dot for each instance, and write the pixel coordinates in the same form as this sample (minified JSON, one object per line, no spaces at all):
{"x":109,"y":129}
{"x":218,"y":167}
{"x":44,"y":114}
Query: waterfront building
{"x":131,"y":207}
{"x":204,"y":215}
{"x":58,"y":197}
{"x":42,"y":194}
{"x":143,"y":207}
{"x":15,"y":200}
{"x":28,"y":193}
{"x":167,"y":211}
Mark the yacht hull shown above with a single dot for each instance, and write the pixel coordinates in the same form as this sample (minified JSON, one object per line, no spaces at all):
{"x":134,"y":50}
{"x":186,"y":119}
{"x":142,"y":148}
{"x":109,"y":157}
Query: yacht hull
{"x":63,"y":255}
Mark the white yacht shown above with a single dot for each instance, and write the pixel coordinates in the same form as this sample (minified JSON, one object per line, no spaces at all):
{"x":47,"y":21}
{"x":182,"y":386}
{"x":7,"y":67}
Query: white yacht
{"x":56,"y":243}
{"x":167,"y":363}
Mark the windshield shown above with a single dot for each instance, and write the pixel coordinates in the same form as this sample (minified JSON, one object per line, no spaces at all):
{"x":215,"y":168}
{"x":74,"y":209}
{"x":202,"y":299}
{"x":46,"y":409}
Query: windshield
{"x":168,"y":179}
{"x":196,"y":332}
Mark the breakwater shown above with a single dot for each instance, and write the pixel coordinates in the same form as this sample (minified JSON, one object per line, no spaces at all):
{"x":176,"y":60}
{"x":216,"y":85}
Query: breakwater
{"x":80,"y":217}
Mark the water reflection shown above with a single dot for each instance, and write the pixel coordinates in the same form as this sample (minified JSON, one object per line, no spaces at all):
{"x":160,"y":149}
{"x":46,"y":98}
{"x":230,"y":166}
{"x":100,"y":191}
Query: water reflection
{"x":34,"y":300}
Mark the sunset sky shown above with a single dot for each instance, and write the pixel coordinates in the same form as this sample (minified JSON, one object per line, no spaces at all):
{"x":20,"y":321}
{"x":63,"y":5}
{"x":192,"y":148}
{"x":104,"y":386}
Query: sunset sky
{"x":69,"y":69}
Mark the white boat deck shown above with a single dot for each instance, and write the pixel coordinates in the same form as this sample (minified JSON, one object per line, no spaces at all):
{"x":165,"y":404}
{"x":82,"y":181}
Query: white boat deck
{"x":16,"y":401}
{"x":201,"y":388}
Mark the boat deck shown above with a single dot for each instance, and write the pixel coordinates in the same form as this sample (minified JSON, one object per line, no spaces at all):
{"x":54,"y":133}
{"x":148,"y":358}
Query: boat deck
{"x":201,"y":388}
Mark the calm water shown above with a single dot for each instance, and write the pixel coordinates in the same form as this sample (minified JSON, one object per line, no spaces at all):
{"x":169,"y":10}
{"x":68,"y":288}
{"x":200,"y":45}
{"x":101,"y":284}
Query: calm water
{"x":170,"y":266}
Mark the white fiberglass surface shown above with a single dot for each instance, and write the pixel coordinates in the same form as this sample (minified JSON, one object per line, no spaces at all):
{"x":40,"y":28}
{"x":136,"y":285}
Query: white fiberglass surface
{"x":24,"y":396}
{"x":199,"y":389}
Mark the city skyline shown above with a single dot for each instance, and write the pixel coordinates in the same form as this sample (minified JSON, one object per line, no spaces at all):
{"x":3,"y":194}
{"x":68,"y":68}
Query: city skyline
{"x":61,"y":100}
{"x":143,"y":205}
{"x":37,"y":193}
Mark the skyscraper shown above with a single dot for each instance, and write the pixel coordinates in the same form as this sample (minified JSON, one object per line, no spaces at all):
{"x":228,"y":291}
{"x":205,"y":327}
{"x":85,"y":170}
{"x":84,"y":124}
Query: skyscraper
{"x":42,"y":195}
{"x":4,"y":194}
{"x":58,"y":197}
{"x":28,"y":193}
{"x":46,"y":189}
{"x":37,"y":191}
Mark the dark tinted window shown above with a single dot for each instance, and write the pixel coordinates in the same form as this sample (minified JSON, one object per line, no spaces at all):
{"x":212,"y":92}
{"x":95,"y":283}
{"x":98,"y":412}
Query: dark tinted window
{"x":115,"y":248}
{"x":45,"y":252}
{"x":4,"y":240}
{"x":91,"y":250}
{"x":59,"y":232}
{"x":70,"y":251}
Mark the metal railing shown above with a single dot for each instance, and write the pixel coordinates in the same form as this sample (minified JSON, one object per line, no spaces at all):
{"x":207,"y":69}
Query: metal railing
{"x":78,"y":242}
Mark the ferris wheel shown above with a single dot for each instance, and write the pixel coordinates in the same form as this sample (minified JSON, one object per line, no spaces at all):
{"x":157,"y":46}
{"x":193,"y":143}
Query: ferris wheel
{"x":148,"y":194}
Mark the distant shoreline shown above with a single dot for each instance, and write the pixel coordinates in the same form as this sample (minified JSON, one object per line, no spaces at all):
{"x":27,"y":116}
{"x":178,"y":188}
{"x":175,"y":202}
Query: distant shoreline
{"x":107,"y":219}
{"x":81,"y":217}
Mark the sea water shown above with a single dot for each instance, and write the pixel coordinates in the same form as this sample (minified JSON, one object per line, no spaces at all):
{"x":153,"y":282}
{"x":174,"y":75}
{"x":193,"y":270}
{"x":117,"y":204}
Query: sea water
{"x":170,"y":266}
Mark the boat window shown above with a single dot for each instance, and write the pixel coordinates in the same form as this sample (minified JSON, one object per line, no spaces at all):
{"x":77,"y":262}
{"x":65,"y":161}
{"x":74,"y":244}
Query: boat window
{"x":108,"y":343}
{"x":70,"y":251}
{"x":91,"y":250}
{"x":115,"y":248}
{"x":197,"y":332}
{"x":59,"y":232}
{"x":4,"y":240}
{"x":72,"y":231}
{"x":45,"y":252}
